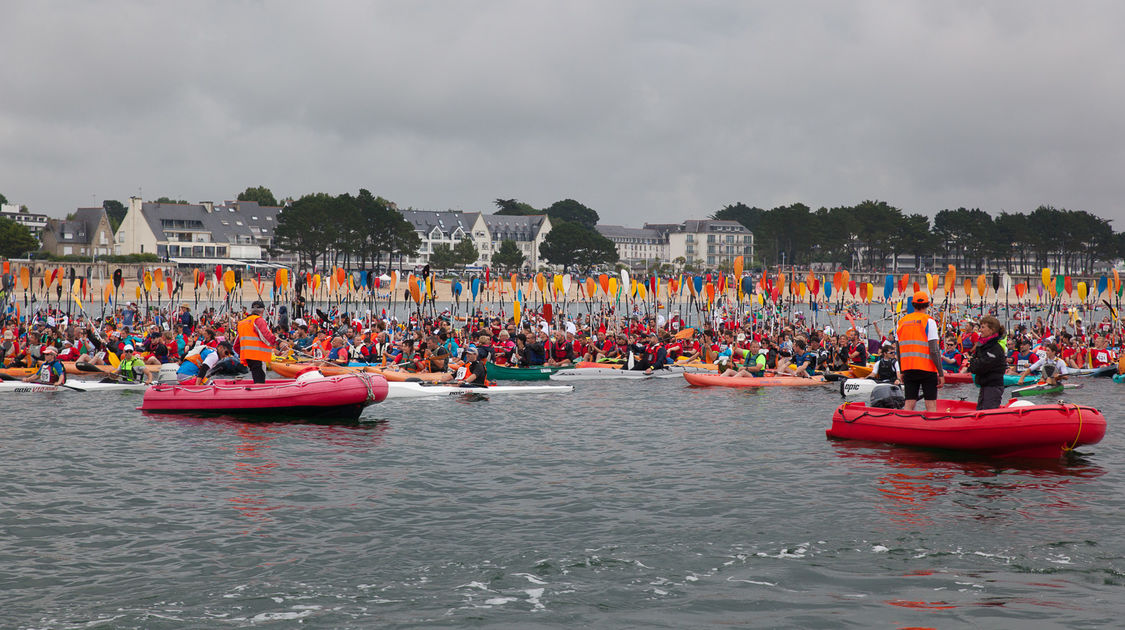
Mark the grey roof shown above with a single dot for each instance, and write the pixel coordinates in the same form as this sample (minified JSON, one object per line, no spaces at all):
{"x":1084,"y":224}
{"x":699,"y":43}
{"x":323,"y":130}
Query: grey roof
{"x":234,"y":222}
{"x":636,"y":235}
{"x":425,"y":221}
{"x":697,"y":226}
{"x":506,"y":227}
{"x":81,"y":228}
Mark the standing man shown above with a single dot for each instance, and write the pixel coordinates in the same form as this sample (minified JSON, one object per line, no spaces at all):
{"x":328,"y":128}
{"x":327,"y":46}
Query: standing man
{"x":255,"y":342}
{"x":919,"y":356}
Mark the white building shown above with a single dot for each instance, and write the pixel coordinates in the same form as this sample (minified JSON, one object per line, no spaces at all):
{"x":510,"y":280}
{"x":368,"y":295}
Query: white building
{"x":486,"y":231}
{"x":35,"y":223}
{"x":197,"y":233}
{"x":637,"y":248}
{"x":707,"y":243}
{"x":528,"y":232}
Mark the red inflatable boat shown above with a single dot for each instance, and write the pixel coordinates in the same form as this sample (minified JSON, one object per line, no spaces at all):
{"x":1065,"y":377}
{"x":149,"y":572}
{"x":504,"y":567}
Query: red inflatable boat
{"x":316,"y":396}
{"x":1018,"y":430}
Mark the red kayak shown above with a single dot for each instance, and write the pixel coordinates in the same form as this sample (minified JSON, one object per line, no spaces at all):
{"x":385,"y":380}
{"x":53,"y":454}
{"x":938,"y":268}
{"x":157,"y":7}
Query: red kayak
{"x":1018,"y":430}
{"x":714,"y":380}
{"x":330,"y":396}
{"x":955,"y":378}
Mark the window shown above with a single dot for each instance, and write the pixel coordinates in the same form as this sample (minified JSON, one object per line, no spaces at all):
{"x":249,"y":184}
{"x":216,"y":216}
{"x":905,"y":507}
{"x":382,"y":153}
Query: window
{"x":710,"y":238}
{"x":67,"y":250}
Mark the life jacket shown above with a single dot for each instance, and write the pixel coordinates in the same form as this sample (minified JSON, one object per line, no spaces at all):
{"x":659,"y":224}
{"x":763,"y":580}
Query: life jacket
{"x":949,"y":359}
{"x":913,"y":346}
{"x":560,"y":351}
{"x":128,"y":370}
{"x":251,"y":344}
{"x":46,"y":374}
{"x":886,"y":371}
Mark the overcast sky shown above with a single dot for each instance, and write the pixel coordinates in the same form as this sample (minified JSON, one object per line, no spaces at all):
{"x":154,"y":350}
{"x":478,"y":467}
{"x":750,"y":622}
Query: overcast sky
{"x":644,"y":111}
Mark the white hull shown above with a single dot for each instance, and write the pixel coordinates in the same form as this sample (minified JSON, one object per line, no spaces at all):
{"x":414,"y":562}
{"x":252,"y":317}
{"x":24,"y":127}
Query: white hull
{"x":19,"y":387}
{"x":419,"y":390}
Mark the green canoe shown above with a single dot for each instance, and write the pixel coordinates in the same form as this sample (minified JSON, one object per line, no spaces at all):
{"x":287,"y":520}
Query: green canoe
{"x":1043,"y":390}
{"x":508,"y":373}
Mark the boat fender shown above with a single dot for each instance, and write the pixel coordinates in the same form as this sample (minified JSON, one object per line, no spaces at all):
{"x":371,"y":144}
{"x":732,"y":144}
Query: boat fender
{"x":309,"y":374}
{"x":1021,"y":403}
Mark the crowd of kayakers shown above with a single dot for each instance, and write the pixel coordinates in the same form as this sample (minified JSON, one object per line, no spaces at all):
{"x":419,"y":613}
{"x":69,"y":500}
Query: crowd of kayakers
{"x":739,"y":344}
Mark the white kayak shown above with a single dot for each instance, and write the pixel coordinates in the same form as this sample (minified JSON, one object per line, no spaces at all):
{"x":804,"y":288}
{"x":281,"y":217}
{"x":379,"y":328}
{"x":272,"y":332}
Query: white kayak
{"x":19,"y":387}
{"x":605,"y":374}
{"x":397,"y":389}
{"x":857,"y":387}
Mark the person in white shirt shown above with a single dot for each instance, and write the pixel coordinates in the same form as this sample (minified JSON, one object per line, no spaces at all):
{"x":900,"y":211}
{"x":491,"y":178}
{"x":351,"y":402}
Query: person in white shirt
{"x":1050,"y":366}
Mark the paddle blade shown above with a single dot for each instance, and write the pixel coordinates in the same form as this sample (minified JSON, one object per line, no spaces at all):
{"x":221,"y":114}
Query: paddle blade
{"x":516,"y":311}
{"x":1081,"y":291}
{"x":1045,"y":276}
{"x":738,"y":267}
{"x":603,"y":282}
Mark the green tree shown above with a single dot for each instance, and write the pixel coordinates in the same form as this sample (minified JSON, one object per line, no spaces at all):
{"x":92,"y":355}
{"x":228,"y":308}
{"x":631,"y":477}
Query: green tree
{"x":574,"y":245}
{"x":747,"y":216}
{"x":400,"y":239}
{"x":115,"y":211}
{"x":304,"y":229}
{"x":515,"y":207}
{"x":260,"y":194}
{"x":466,"y":252}
{"x":171,"y":201}
{"x":3,"y":199}
{"x":15,"y":239}
{"x":509,"y":257}
{"x":571,"y":210}
{"x":443,"y":257}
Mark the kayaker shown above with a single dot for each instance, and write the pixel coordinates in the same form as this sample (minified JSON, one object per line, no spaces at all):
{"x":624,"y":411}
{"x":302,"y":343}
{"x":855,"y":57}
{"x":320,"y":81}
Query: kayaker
{"x":131,"y":368}
{"x":51,"y":372}
{"x":473,"y":373}
{"x":755,"y":363}
{"x":255,"y":342}
{"x":338,"y":353}
{"x":887,"y":368}
{"x":1050,"y":366}
{"x":801,"y":362}
{"x":989,"y":363}
{"x":919,"y":356}
{"x":197,"y":362}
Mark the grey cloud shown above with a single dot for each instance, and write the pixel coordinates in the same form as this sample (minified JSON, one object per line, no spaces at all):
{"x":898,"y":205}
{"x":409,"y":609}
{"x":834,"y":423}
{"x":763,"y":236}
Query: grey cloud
{"x":642,"y":110}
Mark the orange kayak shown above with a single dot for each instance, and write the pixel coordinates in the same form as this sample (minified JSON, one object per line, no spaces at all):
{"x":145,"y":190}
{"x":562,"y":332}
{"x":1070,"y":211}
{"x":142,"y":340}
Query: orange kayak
{"x":714,"y":380}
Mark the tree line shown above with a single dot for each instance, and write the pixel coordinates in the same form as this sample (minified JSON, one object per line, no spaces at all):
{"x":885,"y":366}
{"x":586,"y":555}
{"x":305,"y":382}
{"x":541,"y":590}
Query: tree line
{"x":872,"y":235}
{"x":344,"y":230}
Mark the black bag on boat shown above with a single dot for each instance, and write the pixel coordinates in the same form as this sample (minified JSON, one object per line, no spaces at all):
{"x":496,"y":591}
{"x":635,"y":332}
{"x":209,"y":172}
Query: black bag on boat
{"x":887,"y":396}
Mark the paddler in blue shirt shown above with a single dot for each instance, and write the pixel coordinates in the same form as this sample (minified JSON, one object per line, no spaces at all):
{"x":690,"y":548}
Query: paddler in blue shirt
{"x":51,"y":372}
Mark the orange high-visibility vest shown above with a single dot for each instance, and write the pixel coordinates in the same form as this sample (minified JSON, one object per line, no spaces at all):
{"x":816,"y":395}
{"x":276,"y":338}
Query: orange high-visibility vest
{"x":914,"y":348}
{"x":251,"y":344}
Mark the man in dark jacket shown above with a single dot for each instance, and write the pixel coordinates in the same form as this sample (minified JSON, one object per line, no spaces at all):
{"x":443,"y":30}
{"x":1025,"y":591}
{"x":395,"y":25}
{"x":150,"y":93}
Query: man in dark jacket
{"x":989,"y":363}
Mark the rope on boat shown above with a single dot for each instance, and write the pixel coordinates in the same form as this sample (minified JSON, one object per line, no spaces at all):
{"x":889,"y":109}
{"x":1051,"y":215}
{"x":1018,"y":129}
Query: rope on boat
{"x":1078,"y":435}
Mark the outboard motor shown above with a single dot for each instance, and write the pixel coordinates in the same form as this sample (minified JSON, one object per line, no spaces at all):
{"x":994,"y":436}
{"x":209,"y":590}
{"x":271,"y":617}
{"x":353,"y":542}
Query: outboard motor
{"x":167,"y":373}
{"x":887,"y":396}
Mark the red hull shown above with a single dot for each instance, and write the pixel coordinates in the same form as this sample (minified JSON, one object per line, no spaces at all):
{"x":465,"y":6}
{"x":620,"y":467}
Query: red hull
{"x":955,"y":378}
{"x":1043,"y":431}
{"x":334,"y":396}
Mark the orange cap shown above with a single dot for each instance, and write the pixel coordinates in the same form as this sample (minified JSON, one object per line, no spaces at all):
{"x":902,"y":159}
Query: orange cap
{"x":921,"y":297}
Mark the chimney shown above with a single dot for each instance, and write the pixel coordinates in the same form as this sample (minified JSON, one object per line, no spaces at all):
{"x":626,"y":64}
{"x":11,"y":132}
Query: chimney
{"x":209,"y":206}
